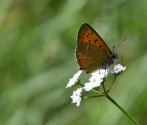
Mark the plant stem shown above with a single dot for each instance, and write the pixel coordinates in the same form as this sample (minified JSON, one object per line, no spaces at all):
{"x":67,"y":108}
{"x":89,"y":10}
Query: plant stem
{"x":81,"y":84}
{"x":103,"y":87}
{"x":125,"y":112}
{"x":92,"y":96}
{"x":111,"y":84}
{"x":100,"y":91}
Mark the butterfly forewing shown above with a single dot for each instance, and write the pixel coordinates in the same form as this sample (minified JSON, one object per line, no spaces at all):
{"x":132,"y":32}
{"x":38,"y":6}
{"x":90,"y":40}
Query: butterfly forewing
{"x":87,"y":34}
{"x":91,"y":50}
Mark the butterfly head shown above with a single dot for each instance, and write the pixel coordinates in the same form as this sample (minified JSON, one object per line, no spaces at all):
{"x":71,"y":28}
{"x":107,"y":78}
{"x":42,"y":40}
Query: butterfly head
{"x":110,"y":61}
{"x":114,"y":56}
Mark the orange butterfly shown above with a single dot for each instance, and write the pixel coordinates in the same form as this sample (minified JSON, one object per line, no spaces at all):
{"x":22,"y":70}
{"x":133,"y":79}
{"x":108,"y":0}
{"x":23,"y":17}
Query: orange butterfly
{"x":92,"y":53}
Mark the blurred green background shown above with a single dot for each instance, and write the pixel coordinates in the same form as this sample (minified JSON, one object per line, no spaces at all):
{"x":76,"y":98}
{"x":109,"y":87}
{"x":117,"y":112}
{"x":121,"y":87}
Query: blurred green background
{"x":37,"y":45}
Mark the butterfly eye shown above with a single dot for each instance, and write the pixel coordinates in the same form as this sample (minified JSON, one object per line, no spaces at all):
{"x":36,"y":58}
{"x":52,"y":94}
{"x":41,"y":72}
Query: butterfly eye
{"x":113,"y":56}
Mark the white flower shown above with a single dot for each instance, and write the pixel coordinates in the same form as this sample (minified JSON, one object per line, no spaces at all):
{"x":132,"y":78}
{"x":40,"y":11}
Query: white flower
{"x":90,"y":85}
{"x":97,"y":77}
{"x":99,"y":74}
{"x":117,"y":68}
{"x":72,"y":82}
{"x":95,"y":80}
{"x":77,"y":96}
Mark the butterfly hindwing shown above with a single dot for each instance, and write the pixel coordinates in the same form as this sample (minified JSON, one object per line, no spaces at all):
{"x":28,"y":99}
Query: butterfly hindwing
{"x":89,"y":57}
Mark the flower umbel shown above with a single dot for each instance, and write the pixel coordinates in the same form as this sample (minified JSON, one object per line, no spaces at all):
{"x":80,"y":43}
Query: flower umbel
{"x":74,"y":81}
{"x":117,"y":68}
{"x":77,"y":96}
{"x":95,"y":81}
{"x":97,"y":78}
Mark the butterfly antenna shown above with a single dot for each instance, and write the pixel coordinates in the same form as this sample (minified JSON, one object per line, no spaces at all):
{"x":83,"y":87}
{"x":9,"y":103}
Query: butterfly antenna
{"x":114,"y":48}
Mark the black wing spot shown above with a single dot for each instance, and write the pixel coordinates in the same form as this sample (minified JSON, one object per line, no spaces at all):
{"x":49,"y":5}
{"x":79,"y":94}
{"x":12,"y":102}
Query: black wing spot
{"x":95,"y":41}
{"x":79,"y":60}
{"x":100,"y":46}
{"x":87,"y":36}
{"x":91,"y":33}
{"x":89,"y":40}
{"x":85,"y":56}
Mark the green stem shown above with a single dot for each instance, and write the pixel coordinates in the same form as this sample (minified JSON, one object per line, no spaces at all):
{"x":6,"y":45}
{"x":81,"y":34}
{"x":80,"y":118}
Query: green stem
{"x":100,"y":91}
{"x":125,"y":112}
{"x":103,"y":87}
{"x":92,"y":96}
{"x":81,"y":84}
{"x":95,"y":90}
{"x":111,"y":84}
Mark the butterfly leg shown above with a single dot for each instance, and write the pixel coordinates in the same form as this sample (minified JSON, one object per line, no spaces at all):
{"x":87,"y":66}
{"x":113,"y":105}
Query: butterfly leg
{"x":105,"y":71}
{"x":122,"y":60}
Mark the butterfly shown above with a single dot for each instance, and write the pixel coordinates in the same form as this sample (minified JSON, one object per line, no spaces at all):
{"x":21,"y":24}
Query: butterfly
{"x":92,"y":53}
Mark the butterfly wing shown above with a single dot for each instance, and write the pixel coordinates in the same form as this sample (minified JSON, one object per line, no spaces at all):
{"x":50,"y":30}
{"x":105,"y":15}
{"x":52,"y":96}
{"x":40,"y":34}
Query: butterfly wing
{"x":91,"y":50}
{"x":89,"y":57}
{"x":87,"y":34}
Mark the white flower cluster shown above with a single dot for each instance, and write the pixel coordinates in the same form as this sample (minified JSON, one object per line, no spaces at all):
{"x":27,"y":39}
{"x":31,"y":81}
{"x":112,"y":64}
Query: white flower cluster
{"x":74,"y":80}
{"x":95,"y":81}
{"x":77,"y":96}
{"x":117,"y":68}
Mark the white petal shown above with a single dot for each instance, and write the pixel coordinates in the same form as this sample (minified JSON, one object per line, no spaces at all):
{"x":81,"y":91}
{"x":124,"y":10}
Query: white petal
{"x":77,"y":96}
{"x":90,"y":85}
{"x":98,"y":75}
{"x":74,"y":80}
{"x":117,"y":68}
{"x":95,"y":80}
